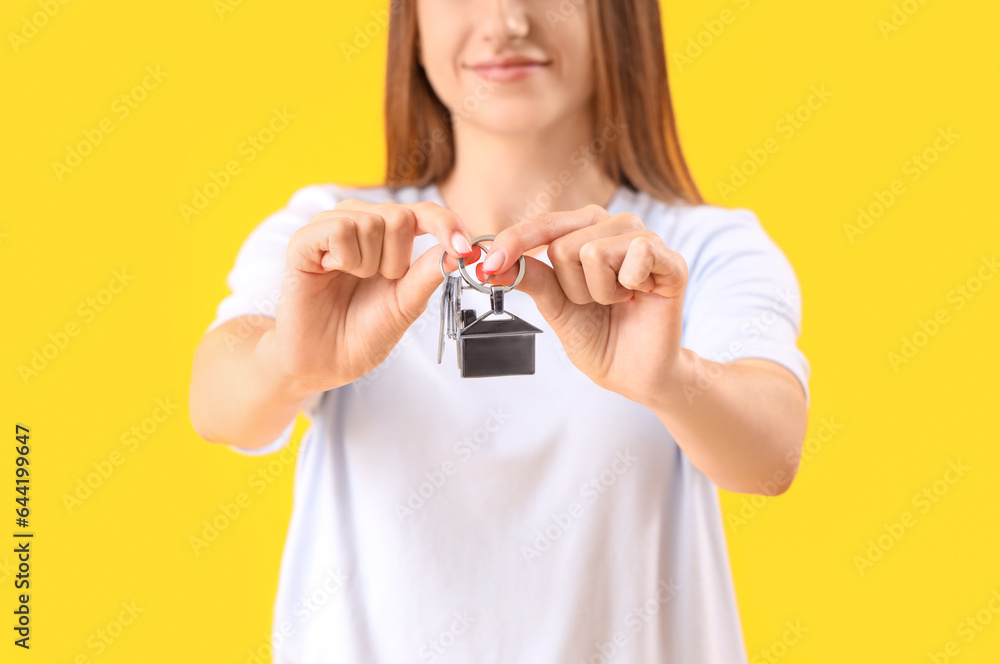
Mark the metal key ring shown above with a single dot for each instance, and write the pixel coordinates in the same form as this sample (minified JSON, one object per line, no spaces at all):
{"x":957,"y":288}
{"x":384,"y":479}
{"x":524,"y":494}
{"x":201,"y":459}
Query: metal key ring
{"x":479,"y":286}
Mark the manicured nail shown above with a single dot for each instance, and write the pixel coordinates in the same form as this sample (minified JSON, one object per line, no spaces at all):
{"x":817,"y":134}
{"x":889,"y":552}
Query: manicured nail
{"x":479,"y":274}
{"x":494,"y":261}
{"x":460,"y":244}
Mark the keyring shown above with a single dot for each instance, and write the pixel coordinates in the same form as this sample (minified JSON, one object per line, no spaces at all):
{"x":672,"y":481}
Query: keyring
{"x":479,"y":286}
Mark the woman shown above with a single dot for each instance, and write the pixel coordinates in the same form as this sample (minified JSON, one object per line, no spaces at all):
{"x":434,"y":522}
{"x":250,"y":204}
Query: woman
{"x":566,"y":516}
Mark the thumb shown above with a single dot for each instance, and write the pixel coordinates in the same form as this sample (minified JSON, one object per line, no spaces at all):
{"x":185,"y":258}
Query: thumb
{"x":415,"y":288}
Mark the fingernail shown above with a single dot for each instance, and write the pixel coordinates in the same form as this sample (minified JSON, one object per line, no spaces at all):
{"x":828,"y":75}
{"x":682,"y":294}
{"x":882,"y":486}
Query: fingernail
{"x":494,"y":261}
{"x":460,"y":244}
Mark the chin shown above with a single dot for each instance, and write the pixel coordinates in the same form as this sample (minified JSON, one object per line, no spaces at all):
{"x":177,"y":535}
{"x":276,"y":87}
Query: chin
{"x":511,"y":118}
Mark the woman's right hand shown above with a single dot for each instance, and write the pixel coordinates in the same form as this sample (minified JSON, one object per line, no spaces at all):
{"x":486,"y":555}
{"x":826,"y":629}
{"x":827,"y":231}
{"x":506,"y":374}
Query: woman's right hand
{"x":349,"y":291}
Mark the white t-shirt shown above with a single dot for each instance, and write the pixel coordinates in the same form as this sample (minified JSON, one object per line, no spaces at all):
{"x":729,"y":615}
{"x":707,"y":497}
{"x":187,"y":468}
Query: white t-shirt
{"x":528,"y":519}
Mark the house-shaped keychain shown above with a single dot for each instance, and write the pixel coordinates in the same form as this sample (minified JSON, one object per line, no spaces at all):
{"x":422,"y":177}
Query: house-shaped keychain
{"x":486,"y":346}
{"x":495,"y":346}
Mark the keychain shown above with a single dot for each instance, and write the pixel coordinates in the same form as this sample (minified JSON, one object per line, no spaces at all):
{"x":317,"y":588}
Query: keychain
{"x":486,"y":347}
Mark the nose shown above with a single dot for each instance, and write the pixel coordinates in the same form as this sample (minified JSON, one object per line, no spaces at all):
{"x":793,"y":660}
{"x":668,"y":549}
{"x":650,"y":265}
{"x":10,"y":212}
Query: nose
{"x":508,"y":20}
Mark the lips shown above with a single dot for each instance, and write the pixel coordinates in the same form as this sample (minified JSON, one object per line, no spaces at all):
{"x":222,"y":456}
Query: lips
{"x":509,"y":68}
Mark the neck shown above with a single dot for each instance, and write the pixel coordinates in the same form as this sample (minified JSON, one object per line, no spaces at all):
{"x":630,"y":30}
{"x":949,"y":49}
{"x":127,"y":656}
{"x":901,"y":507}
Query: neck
{"x":501,"y":179}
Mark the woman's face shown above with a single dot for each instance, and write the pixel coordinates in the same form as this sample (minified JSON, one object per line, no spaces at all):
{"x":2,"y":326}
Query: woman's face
{"x":463,"y":45}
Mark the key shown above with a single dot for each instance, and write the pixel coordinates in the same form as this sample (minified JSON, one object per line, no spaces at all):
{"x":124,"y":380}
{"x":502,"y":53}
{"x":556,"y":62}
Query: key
{"x":450,"y":304}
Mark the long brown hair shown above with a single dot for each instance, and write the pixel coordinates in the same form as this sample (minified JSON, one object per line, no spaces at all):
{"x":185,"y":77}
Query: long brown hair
{"x":630,"y":64}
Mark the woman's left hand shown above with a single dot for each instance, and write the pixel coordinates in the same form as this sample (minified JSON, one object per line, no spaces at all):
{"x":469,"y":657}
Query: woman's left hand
{"x":614,"y":294}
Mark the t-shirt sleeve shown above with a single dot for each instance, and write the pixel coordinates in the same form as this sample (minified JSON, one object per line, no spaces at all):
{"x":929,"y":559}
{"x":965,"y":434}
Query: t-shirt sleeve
{"x":743,"y":298}
{"x":255,"y":278}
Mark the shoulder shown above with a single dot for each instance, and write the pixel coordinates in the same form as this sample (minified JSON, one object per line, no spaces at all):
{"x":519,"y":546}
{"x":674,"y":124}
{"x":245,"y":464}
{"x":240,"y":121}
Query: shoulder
{"x":708,"y":236}
{"x":702,"y":233}
{"x":693,"y":226}
{"x":708,"y":226}
{"x":726,"y":249}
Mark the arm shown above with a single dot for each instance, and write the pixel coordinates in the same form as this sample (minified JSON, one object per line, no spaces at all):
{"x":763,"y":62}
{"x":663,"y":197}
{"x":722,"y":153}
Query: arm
{"x":237,"y":396}
{"x":741,"y":423}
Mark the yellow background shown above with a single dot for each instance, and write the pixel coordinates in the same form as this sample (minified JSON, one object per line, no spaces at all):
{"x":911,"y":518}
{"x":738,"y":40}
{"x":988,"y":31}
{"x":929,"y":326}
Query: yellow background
{"x":794,"y":557}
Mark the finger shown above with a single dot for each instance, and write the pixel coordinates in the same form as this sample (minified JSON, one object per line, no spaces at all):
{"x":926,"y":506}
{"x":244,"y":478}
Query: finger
{"x":540,"y":282}
{"x":601,"y":259}
{"x":616,"y":267}
{"x":422,"y":278}
{"x":650,"y":266}
{"x":327,"y":242}
{"x":536,"y":231}
{"x":565,"y":254}
{"x":397,"y":241}
{"x":421,"y":218}
{"x":494,"y":279}
{"x":351,"y":238}
{"x":443,"y":224}
{"x":428,"y":217}
{"x":400,"y":226}
{"x":370,"y":233}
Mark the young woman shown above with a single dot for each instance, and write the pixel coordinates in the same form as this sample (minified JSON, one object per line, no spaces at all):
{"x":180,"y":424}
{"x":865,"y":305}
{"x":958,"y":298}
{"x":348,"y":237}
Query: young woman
{"x":566,"y":516}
